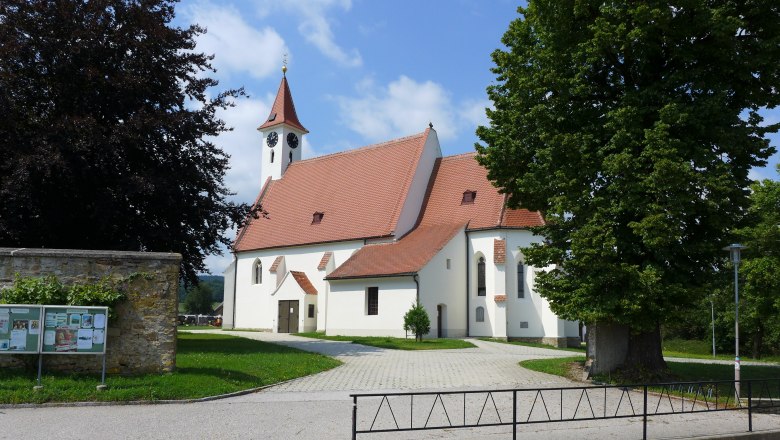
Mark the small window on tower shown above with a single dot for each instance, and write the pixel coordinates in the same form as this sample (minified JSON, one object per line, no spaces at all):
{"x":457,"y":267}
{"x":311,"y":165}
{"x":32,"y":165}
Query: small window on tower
{"x":317,"y":218}
{"x":272,"y":156}
{"x":290,"y":158}
{"x":468,"y":197}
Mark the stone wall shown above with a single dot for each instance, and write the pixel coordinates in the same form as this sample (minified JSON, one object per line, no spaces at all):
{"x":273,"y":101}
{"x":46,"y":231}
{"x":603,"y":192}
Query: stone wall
{"x":142,"y":338}
{"x":568,"y":342}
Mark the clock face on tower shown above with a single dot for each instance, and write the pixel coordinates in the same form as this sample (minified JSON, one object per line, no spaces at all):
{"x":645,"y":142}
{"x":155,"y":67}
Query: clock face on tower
{"x":272,"y":139}
{"x":292,"y":140}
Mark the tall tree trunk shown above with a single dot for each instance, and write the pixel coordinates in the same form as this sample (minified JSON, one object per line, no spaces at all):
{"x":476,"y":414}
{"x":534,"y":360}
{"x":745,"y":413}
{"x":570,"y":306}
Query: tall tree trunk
{"x":758,"y":340}
{"x":644,"y":360}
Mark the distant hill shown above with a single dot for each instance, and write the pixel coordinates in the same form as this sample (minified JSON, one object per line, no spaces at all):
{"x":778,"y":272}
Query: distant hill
{"x":216,"y":282}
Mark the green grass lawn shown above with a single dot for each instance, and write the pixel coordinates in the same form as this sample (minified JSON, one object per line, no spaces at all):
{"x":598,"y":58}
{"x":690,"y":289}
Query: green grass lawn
{"x":394,"y":343}
{"x":555,"y":366}
{"x":537,"y":345}
{"x":681,"y":371}
{"x":207,"y":365}
{"x":197,"y":327}
{"x":695,"y":349}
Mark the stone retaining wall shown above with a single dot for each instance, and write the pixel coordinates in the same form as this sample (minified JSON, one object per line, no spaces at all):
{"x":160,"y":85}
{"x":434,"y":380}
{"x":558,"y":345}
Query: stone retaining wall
{"x":142,"y":339}
{"x":568,"y":342}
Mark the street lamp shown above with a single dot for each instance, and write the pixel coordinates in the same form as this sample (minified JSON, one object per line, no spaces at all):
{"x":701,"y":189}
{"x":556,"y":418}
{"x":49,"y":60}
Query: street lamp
{"x":735,"y":250}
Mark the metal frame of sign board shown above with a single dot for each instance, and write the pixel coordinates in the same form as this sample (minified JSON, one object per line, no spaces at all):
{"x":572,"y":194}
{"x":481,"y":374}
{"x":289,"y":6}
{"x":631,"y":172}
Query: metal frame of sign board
{"x":10,"y":321}
{"x":74,"y":307}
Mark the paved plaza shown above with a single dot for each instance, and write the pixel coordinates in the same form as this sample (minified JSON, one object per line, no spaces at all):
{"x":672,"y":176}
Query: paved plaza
{"x":319,"y":406}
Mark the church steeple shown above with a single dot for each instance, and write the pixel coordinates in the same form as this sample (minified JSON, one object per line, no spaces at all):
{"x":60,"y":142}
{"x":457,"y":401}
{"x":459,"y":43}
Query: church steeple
{"x":282,"y":133}
{"x":283,"y":110}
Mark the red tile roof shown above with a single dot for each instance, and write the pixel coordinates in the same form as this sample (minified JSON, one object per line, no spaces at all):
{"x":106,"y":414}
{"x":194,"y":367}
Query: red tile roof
{"x":361,"y":191}
{"x":499,"y":298}
{"x":499,"y":251}
{"x":324,"y":261}
{"x":456,"y":174}
{"x":304,"y":282}
{"x":403,"y":257}
{"x":276,"y":264}
{"x":283,"y":110}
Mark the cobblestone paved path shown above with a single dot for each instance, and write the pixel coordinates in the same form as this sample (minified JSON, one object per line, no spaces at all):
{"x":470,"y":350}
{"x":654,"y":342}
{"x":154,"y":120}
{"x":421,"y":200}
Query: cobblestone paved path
{"x":489,"y":365}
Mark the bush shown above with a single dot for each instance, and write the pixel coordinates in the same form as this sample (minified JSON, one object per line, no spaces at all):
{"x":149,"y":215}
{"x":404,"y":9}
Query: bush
{"x":416,"y":320}
{"x":48,"y":290}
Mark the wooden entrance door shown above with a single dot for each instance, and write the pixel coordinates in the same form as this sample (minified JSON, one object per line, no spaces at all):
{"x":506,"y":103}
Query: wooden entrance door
{"x":438,"y":321}
{"x":288,"y":317}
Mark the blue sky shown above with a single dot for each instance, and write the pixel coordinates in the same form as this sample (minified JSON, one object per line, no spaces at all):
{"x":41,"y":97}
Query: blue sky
{"x":360,"y":71}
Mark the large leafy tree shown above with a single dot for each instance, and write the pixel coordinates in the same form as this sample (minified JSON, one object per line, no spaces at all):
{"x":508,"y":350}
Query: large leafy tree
{"x":632,"y":126}
{"x":760,"y":269}
{"x":106,"y":112}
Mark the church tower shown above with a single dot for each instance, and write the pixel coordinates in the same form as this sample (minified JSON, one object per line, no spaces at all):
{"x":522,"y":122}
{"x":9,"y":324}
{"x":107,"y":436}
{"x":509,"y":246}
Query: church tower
{"x":282,"y":134}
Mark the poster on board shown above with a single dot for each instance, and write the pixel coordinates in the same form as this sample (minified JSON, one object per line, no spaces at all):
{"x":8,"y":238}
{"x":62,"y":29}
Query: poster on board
{"x":20,"y":328}
{"x":74,"y":330}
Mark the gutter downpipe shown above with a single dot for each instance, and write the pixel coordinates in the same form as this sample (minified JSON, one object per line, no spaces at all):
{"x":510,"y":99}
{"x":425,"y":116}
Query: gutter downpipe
{"x":468,"y":282}
{"x":416,"y":279}
{"x":235,"y":283}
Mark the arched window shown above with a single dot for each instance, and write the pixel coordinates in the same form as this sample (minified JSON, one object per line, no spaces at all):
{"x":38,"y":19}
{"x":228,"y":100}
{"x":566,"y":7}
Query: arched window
{"x":481,"y":290}
{"x":257,"y":272}
{"x":520,"y":280}
{"x":272,"y":156}
{"x":480,"y":314}
{"x":290,"y":158}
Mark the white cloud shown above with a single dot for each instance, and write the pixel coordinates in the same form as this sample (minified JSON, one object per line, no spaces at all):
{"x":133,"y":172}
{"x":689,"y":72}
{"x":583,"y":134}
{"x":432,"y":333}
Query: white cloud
{"x":403,"y":107}
{"x":473,"y":113}
{"x":238,"y":47}
{"x":315,"y":25}
{"x":243,"y":144}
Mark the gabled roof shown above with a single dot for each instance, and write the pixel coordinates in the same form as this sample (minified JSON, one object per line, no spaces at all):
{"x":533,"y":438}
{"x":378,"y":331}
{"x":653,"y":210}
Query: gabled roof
{"x":453,"y":175}
{"x":283,"y":110}
{"x":324,"y":261}
{"x":276,"y":263}
{"x":404,"y":257}
{"x":361,"y":193}
{"x":303,"y":281}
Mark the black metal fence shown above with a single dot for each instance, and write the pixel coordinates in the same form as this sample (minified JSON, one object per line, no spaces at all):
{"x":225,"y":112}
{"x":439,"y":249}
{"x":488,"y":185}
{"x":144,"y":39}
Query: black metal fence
{"x":397,"y":412}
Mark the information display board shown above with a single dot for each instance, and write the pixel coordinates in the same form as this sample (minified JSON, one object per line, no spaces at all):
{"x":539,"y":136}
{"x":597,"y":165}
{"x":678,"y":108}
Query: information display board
{"x":74,"y":330}
{"x":20,"y":328}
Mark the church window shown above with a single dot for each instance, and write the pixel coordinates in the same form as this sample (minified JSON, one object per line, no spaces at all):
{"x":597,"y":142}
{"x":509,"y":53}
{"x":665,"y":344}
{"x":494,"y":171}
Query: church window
{"x":272,"y":156}
{"x":372,"y":301}
{"x":258,"y":272}
{"x":480,"y":314}
{"x":449,"y":263}
{"x":481,"y":290}
{"x":317,"y":218}
{"x":468,"y":197}
{"x":290,"y":158}
{"x":520,"y":280}
{"x":311,"y":310}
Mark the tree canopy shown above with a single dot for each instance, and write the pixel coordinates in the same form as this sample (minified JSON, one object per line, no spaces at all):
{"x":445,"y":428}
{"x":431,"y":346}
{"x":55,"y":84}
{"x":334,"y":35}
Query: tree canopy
{"x":632,"y":126}
{"x":760,"y":269}
{"x":107,"y":115}
{"x":199,"y":299}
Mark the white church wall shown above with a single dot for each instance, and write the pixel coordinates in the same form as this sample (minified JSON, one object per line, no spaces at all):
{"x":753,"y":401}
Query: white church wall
{"x":255,"y":308}
{"x":289,"y":290}
{"x":422,"y":175}
{"x":227,"y":302}
{"x":531,"y":308}
{"x":348,"y":308}
{"x":447,"y":286}
{"x":481,"y":244}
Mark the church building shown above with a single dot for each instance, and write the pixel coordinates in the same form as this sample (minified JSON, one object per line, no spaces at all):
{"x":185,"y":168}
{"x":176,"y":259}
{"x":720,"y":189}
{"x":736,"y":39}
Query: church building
{"x":352,"y":240}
